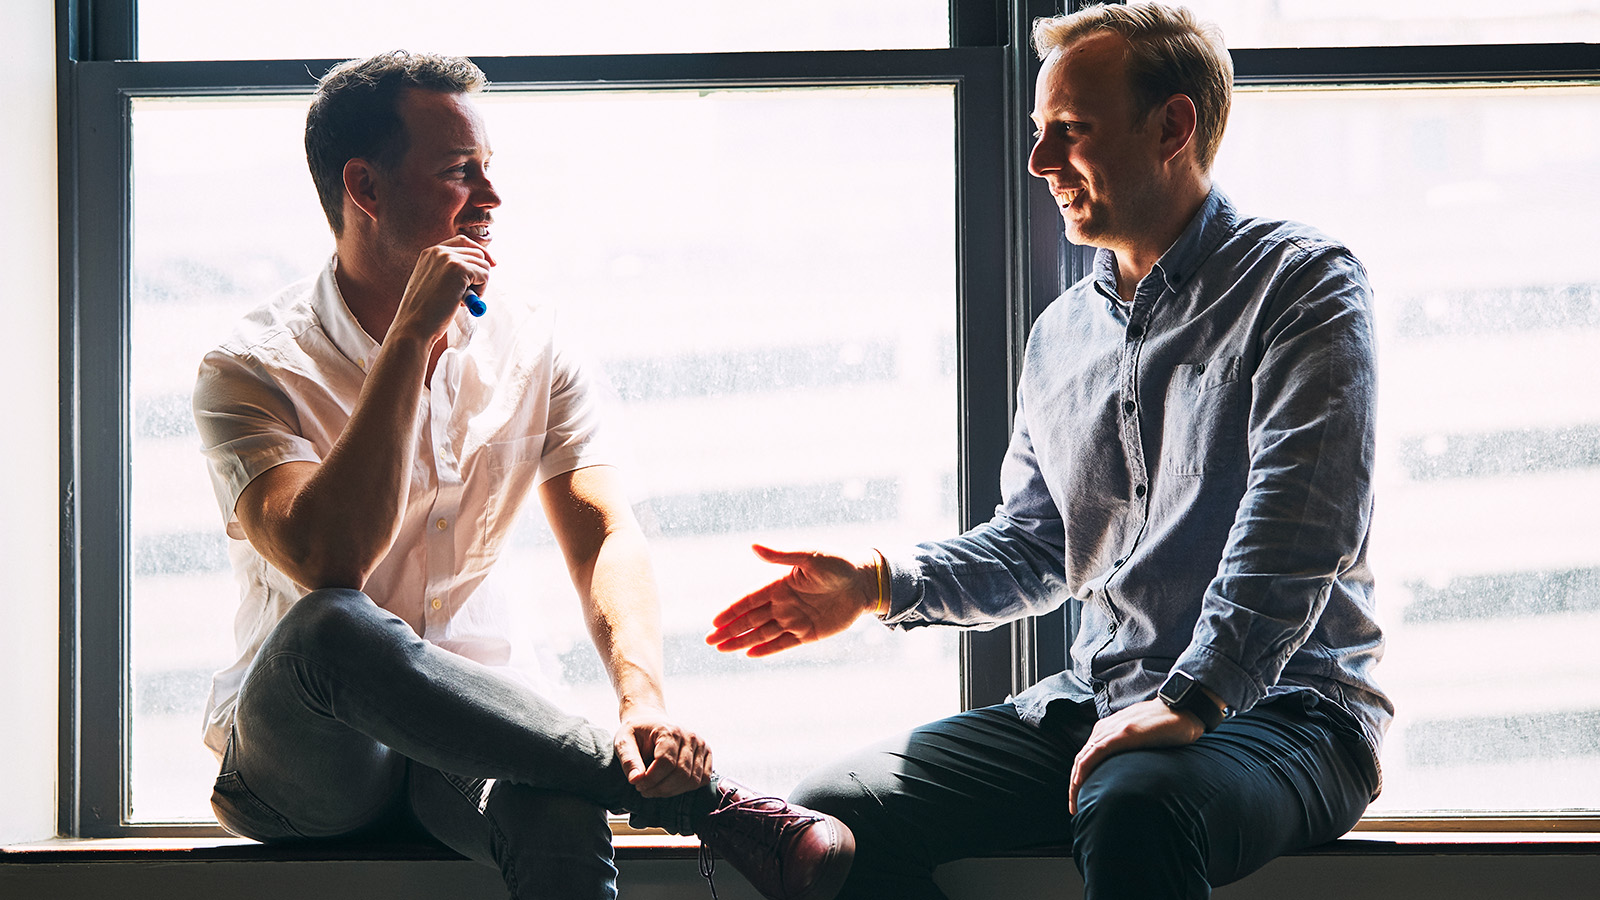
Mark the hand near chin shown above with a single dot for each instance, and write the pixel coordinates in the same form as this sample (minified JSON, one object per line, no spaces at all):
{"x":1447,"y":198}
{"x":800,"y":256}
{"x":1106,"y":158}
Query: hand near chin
{"x":821,"y":595}
{"x":441,"y":278}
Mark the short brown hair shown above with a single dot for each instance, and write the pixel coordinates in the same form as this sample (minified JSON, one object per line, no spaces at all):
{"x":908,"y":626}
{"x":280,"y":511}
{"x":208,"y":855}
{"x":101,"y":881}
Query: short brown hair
{"x":355,"y":114}
{"x":1170,"y":52}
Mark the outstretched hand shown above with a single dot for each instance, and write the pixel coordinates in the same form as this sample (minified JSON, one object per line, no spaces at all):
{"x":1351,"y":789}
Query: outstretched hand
{"x":822,"y":594}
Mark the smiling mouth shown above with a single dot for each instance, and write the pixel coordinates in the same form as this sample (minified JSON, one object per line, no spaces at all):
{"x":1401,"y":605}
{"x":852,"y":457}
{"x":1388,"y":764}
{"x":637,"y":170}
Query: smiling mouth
{"x":478,"y":232}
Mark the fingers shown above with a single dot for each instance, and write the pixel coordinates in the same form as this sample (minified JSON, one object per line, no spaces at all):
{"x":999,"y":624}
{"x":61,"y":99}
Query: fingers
{"x":680,"y":761}
{"x":462,"y":240}
{"x":783,"y":557}
{"x":781,"y":643}
{"x":728,"y":622}
{"x":1149,"y":723}
{"x":453,"y":266}
{"x":728,"y":619}
{"x":1093,"y":753}
{"x":760,"y":633}
{"x":820,"y":595}
{"x":629,"y":755}
{"x":756,"y":627}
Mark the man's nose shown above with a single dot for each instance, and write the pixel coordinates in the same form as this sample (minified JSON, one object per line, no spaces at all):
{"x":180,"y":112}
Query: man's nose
{"x":1042,"y":159}
{"x":485,"y":195}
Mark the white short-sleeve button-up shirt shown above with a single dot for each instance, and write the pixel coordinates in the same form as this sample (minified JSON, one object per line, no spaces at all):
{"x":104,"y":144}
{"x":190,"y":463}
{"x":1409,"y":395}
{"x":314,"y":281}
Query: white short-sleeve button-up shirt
{"x":507,"y":408}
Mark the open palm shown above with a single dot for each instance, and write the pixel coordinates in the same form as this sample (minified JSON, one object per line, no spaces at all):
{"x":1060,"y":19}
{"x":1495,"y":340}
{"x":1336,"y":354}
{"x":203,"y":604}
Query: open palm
{"x":822,"y":594}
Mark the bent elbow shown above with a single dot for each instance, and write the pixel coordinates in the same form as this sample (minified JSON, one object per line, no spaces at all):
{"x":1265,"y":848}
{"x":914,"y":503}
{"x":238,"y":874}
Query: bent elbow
{"x":316,"y":566}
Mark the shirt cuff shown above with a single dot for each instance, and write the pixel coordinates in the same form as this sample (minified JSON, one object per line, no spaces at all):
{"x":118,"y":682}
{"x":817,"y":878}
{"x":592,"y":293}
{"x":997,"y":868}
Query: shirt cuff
{"x":1239,"y":689}
{"x":905,"y":584}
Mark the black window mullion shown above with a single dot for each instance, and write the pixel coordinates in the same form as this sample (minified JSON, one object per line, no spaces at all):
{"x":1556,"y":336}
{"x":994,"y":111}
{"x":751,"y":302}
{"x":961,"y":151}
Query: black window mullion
{"x":99,"y":30}
{"x":998,"y":663}
{"x":95,"y":380}
{"x":1425,"y":64}
{"x":987,"y":258}
{"x":979,"y":23}
{"x":67,"y":38}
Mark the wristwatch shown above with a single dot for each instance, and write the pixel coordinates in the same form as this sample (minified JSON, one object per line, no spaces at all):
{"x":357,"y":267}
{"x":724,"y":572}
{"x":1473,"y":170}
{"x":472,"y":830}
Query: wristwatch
{"x":1183,"y":694}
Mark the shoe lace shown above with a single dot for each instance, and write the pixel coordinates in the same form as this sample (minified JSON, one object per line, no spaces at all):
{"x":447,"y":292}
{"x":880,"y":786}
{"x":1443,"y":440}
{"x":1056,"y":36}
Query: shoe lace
{"x":774,"y":827}
{"x":708,"y":864}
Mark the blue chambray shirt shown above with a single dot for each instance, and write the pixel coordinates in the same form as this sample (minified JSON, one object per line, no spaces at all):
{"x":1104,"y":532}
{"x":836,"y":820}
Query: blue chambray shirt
{"x":1193,"y":475}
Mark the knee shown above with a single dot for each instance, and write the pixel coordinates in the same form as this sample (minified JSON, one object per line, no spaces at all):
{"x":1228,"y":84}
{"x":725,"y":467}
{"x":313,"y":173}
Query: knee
{"x":838,"y":791}
{"x":1135,"y":835}
{"x":327,"y":620}
{"x":1131,"y":809}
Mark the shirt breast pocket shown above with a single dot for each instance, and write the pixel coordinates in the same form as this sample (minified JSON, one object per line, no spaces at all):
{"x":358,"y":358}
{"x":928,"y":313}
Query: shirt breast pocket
{"x":513,"y":468}
{"x":1205,"y":418}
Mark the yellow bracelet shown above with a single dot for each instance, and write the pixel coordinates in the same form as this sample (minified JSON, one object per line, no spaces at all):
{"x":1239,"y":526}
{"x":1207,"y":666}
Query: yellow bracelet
{"x":882,"y":565}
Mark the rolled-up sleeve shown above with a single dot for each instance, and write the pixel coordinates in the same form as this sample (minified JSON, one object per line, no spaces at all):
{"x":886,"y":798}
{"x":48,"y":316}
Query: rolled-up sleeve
{"x":580,"y":398}
{"x":247,"y":425}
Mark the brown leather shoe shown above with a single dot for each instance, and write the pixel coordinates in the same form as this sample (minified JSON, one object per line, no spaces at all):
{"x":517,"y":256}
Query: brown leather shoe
{"x":787,"y":852}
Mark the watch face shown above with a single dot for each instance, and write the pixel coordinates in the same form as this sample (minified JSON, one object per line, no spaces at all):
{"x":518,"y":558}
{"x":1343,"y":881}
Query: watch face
{"x":1177,"y":687}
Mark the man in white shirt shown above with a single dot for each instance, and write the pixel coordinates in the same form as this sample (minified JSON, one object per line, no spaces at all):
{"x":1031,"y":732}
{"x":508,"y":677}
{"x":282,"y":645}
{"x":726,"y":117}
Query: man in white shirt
{"x":370,"y":443}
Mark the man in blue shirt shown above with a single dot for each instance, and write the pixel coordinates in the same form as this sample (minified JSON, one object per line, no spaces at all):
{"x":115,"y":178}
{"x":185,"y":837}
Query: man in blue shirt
{"x":1190,"y":469}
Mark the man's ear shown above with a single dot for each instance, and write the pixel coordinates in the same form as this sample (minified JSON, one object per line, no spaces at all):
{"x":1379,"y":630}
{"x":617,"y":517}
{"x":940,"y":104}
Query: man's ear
{"x":1178,"y":122}
{"x":361,"y":186}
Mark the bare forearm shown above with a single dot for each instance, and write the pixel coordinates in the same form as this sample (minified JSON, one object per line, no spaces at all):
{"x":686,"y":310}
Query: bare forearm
{"x":341,"y":521}
{"x":624,"y":617}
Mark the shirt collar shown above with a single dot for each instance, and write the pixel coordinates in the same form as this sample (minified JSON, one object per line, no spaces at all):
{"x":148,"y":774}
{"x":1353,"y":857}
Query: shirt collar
{"x":340,"y":324}
{"x":1205,"y":232}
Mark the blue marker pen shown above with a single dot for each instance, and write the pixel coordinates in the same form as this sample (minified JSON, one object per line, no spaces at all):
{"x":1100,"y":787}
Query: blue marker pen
{"x":475,"y":304}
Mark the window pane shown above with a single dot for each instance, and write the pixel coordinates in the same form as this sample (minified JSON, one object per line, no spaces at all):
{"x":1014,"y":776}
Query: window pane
{"x":1386,"y":23}
{"x":340,"y":29}
{"x":216,"y":231}
{"x":1475,"y":211}
{"x":756,"y":261}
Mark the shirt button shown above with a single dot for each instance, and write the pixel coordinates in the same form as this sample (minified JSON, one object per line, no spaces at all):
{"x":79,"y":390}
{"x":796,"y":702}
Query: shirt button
{"x":1129,"y":406}
{"x":437,"y":603}
{"x":1135,"y":332}
{"x":1139,"y":491}
{"x":1120,"y":561}
{"x":441,"y":524}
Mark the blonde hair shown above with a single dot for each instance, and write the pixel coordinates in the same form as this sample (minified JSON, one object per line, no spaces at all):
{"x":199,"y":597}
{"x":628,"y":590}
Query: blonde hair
{"x":1170,"y":52}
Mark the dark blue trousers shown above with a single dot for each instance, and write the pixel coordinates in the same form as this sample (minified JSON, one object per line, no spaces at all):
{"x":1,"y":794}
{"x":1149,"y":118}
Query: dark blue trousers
{"x":1159,"y":823}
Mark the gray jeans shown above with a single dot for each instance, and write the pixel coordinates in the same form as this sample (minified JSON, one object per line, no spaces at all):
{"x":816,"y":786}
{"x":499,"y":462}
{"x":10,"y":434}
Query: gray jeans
{"x":349,"y":723}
